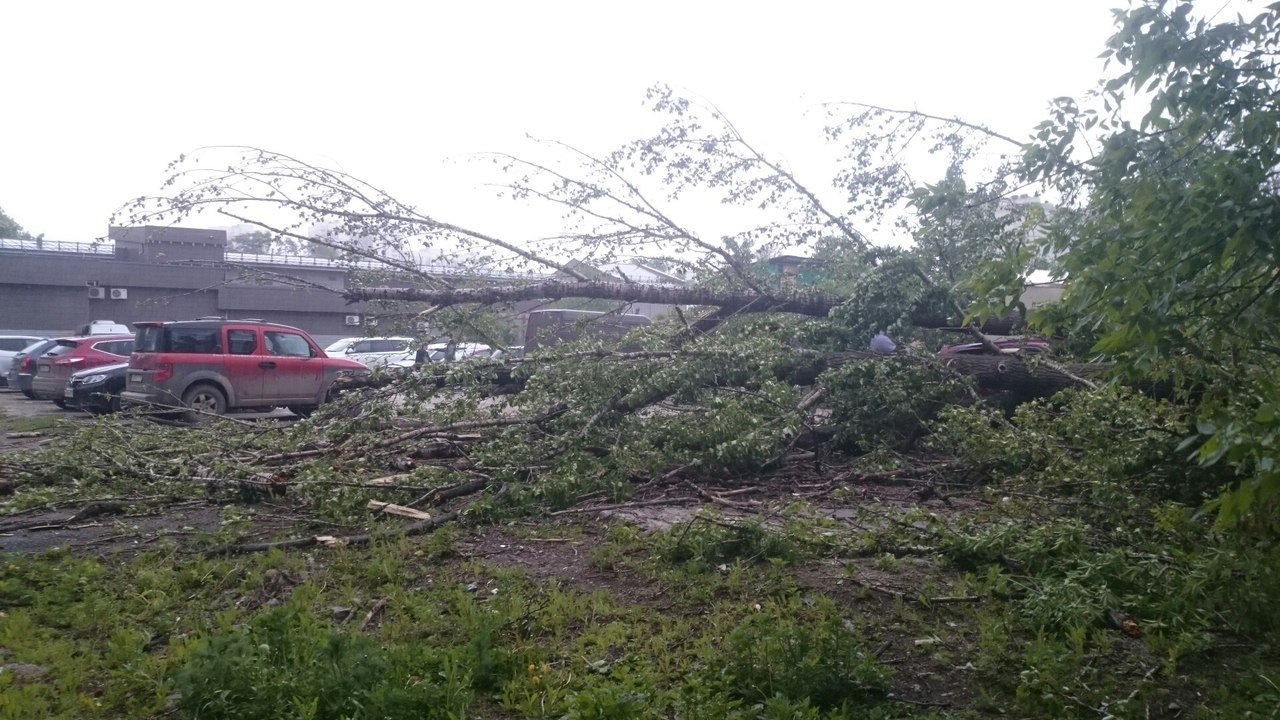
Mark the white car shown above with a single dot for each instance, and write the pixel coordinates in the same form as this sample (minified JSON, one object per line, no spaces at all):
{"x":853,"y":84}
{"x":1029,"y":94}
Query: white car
{"x":103,"y":327}
{"x":373,"y":351}
{"x":11,"y":345}
{"x":436,"y":352}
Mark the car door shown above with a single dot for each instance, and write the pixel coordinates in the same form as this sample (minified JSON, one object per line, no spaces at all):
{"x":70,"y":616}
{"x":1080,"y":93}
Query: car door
{"x":246,"y":365}
{"x":294,"y":371}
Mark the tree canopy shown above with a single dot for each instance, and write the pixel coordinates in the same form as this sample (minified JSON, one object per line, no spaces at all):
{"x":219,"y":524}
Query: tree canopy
{"x":9,"y":228}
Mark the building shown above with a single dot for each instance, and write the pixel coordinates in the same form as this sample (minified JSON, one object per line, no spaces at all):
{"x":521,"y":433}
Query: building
{"x":166,"y":273}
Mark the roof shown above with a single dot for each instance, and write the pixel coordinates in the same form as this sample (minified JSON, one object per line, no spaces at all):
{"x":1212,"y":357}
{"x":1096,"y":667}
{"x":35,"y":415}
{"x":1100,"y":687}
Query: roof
{"x":212,"y":321}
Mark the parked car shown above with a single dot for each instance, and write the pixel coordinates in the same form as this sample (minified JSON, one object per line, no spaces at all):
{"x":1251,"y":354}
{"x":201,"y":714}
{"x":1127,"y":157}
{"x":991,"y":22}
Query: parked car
{"x":23,"y":369}
{"x":69,"y":355}
{"x":97,"y":389}
{"x":439,"y":352}
{"x":104,"y":327}
{"x":10,"y":346}
{"x":514,"y":352}
{"x":373,"y":352}
{"x":216,"y":366}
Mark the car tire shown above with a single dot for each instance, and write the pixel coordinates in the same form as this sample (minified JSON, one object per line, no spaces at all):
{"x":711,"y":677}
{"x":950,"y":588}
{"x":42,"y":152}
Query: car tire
{"x":113,"y":404}
{"x":205,"y":398}
{"x":30,"y":395}
{"x":302,"y":411}
{"x":62,"y":404}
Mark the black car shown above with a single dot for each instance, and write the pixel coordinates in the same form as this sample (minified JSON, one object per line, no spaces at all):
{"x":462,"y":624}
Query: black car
{"x":24,"y":366}
{"x":97,"y":389}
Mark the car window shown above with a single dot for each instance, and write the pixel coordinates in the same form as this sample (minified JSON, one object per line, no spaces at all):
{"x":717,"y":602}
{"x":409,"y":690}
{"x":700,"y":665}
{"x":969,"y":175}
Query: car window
{"x":62,"y":348}
{"x":14,"y":344}
{"x":242,"y":342}
{"x":35,"y":346}
{"x":149,"y":339}
{"x":362,"y":346}
{"x":199,"y":340}
{"x":287,"y":344}
{"x":115,"y":347}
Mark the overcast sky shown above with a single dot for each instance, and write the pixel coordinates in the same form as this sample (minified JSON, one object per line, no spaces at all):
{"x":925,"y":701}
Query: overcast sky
{"x":99,"y":97}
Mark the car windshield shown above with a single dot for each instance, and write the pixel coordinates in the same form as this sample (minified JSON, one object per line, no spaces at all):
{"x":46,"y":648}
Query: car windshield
{"x":34,"y":346}
{"x":340,"y":346}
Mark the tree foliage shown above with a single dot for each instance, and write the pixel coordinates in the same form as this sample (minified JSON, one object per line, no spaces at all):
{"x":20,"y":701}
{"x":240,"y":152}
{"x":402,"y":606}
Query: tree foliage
{"x":1170,"y":246}
{"x":9,"y":228}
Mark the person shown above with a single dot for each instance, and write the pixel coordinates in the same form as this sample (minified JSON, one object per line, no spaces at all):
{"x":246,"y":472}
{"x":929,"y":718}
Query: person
{"x":421,"y":357}
{"x":882,"y":343}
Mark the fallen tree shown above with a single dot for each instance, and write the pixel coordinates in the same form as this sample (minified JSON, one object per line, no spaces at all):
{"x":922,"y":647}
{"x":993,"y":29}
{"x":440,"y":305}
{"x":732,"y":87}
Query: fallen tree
{"x":728,"y":302}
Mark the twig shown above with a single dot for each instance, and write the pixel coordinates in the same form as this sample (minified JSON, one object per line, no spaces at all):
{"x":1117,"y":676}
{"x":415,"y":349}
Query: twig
{"x":377,"y":607}
{"x":418,"y":528}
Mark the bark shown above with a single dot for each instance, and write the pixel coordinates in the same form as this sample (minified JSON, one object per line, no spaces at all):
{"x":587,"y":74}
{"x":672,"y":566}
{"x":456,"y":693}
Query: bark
{"x":729,"y":302}
{"x":812,"y":304}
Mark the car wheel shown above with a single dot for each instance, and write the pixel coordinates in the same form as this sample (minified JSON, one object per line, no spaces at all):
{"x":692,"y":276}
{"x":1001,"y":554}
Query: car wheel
{"x":302,"y":411}
{"x":113,"y":404}
{"x":206,"y":400}
{"x":61,"y":404}
{"x":30,"y":395}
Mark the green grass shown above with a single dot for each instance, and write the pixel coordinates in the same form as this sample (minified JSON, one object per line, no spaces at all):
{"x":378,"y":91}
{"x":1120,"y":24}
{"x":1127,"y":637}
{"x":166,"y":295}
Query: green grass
{"x":689,"y":623}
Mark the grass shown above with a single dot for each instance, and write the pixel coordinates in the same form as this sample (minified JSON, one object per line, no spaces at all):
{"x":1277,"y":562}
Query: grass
{"x":700,"y":621}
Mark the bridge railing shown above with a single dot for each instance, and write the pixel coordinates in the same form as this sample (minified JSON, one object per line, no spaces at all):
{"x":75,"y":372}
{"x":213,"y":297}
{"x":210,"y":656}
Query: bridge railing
{"x":107,"y":249}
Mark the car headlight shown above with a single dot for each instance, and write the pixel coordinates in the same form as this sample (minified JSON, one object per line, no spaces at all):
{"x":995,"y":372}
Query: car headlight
{"x":93,"y":380}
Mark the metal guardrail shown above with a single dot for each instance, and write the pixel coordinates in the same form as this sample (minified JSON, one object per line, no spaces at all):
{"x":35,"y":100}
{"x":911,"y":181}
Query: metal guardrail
{"x":57,"y":246}
{"x":309,"y":261}
{"x":107,"y":249}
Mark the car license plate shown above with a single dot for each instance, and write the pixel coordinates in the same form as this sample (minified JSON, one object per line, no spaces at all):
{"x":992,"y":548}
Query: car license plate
{"x":136,"y":378}
{"x":68,"y":392}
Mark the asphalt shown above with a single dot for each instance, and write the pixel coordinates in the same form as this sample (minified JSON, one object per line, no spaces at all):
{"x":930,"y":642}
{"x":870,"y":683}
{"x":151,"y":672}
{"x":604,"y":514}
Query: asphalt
{"x":13,"y":404}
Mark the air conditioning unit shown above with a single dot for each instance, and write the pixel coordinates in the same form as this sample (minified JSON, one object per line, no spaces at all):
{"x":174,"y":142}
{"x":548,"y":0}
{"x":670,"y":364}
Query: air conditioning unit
{"x":97,"y":293}
{"x":119,"y":294}
{"x":371,"y":321}
{"x":351,"y":320}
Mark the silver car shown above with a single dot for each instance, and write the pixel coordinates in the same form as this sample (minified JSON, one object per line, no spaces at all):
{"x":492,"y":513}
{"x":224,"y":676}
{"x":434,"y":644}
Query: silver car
{"x":11,"y":345}
{"x":373,"y":351}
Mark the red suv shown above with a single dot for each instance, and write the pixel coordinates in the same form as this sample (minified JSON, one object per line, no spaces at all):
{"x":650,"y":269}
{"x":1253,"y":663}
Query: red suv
{"x":71,"y":355}
{"x":217,"y":365}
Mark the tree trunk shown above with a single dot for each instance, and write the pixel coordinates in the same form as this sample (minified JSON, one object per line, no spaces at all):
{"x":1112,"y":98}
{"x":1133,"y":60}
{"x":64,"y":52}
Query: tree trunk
{"x":995,"y":373}
{"x":812,"y":304}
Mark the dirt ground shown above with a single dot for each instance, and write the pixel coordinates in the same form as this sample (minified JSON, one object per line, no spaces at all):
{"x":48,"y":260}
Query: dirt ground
{"x":14,"y":404}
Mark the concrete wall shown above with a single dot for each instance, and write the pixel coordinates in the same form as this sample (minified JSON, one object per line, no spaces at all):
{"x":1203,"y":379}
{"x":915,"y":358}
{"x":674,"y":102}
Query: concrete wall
{"x":47,"y":293}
